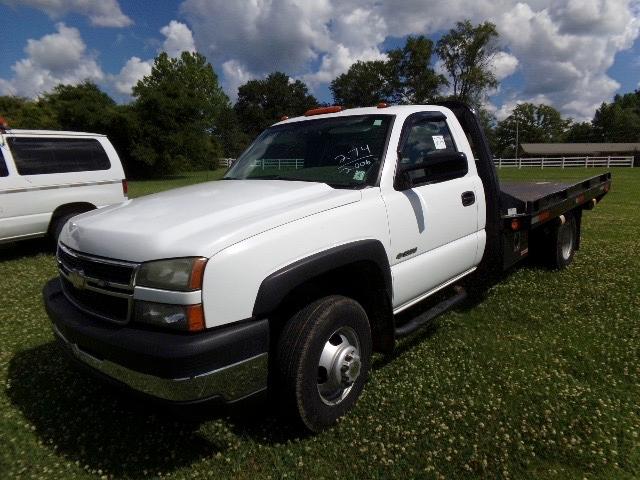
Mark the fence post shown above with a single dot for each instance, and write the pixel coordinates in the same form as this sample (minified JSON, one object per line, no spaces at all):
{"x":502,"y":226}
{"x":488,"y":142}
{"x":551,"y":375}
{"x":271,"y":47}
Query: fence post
{"x":500,"y":163}
{"x":608,"y":161}
{"x":520,"y":162}
{"x":562,"y":162}
{"x":542,"y":164}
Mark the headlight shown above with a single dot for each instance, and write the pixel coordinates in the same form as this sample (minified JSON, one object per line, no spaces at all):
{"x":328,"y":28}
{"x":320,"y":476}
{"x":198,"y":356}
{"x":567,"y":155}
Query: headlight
{"x":182,"y":274}
{"x":179,"y":317}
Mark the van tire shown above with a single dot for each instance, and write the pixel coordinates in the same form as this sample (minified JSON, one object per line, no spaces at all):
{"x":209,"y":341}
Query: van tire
{"x":332,"y":331}
{"x":58,"y":224}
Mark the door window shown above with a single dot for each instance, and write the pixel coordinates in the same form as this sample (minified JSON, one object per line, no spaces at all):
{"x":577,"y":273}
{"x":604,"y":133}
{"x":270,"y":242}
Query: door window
{"x":425,"y":138}
{"x":429,"y":142}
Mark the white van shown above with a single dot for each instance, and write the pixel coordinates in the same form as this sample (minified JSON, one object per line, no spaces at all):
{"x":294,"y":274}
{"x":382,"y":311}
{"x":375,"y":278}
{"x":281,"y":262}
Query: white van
{"x":47,"y":177}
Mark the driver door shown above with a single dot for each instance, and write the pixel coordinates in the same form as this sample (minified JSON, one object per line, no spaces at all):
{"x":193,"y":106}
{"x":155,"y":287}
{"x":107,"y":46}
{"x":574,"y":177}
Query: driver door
{"x":434,"y":221}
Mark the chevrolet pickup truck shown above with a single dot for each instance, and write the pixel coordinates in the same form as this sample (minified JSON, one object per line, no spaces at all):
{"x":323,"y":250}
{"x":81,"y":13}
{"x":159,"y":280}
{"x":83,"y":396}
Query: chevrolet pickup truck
{"x":286,"y":275}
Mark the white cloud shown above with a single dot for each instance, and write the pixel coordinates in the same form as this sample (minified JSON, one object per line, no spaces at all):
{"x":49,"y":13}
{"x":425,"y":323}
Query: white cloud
{"x":101,"y":13}
{"x":178,"y":39}
{"x":338,"y":62}
{"x":562,"y":48}
{"x":265,"y":36}
{"x":133,"y":71}
{"x":504,"y":65}
{"x":235,"y":74}
{"x":56,"y":58}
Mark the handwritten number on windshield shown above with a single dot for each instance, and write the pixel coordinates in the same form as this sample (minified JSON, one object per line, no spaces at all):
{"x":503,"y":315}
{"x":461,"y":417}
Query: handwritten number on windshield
{"x":355,"y":159}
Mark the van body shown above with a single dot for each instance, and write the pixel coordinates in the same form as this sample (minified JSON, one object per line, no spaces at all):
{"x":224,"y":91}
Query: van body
{"x":47,"y":177}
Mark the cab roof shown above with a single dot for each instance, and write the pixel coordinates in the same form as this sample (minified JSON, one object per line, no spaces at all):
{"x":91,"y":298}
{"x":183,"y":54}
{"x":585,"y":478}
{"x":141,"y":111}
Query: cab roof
{"x":49,"y":133}
{"x":390,"y":110}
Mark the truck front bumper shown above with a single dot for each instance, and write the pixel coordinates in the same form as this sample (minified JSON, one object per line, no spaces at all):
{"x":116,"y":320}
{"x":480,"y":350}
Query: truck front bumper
{"x":227,"y":363}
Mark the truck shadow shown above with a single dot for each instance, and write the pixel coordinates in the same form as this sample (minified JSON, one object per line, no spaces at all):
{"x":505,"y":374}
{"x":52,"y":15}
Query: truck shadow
{"x":98,"y":426}
{"x":25,"y":248}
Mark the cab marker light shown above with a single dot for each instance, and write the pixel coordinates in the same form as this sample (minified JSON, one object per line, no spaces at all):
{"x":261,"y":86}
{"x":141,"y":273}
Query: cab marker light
{"x":323,"y":110}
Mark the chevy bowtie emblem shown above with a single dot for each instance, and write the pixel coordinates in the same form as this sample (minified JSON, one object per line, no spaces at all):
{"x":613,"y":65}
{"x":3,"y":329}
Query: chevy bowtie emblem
{"x":77,"y":279}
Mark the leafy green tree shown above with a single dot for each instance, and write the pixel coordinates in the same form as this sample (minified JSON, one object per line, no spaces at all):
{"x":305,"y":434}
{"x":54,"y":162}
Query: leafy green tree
{"x":178,"y":107}
{"x":406,"y":77}
{"x":233,"y":139}
{"x":262,"y":103}
{"x":23,"y":113}
{"x":364,"y":84}
{"x":466,"y":52}
{"x":413,"y":80}
{"x":533,"y":124}
{"x":489,"y":123}
{"x":82,"y":107}
{"x":619,"y":121}
{"x":582,"y":132}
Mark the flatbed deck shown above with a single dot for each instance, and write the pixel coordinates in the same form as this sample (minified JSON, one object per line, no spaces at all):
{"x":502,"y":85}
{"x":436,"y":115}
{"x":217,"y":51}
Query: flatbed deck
{"x":531,"y":198}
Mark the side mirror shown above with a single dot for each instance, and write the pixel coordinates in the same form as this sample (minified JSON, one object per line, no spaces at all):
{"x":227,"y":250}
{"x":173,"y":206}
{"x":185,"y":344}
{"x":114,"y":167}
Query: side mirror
{"x":433,"y":168}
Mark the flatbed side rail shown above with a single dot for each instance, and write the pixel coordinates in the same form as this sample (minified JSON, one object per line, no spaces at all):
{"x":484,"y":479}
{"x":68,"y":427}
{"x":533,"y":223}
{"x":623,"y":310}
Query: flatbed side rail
{"x":539,"y":211}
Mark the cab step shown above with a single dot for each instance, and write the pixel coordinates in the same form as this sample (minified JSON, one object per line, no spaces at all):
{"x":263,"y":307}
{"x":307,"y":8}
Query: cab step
{"x":425,"y":317}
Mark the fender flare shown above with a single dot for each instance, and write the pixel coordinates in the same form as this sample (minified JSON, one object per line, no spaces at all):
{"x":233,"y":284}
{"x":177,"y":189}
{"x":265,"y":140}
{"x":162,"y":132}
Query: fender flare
{"x":279,"y":284}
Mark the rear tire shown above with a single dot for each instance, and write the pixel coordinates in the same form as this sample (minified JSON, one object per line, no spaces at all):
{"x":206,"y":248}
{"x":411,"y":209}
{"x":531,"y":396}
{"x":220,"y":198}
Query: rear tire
{"x":323,"y":360}
{"x":563,"y":241}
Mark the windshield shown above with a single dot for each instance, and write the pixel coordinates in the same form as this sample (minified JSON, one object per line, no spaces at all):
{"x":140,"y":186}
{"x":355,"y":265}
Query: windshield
{"x":344,"y":152}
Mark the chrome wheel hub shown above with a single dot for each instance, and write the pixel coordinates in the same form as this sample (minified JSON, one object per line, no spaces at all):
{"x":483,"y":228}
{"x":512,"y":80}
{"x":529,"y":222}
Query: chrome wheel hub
{"x":339,"y":366}
{"x":566,"y":241}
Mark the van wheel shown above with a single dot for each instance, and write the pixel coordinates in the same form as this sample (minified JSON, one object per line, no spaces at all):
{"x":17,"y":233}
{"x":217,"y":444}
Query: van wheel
{"x":563,"y":240}
{"x":324,"y":356}
{"x":56,"y":227}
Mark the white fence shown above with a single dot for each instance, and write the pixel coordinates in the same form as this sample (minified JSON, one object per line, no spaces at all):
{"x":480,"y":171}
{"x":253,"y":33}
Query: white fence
{"x":564,"y":162}
{"x":270,"y":163}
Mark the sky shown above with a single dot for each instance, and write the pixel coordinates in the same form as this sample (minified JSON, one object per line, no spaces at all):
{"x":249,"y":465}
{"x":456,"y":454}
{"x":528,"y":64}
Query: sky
{"x":571,"y":54}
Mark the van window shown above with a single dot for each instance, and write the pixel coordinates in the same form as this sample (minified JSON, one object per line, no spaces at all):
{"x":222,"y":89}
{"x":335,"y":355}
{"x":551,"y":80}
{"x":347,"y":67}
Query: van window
{"x":37,"y":156}
{"x":3,"y":166}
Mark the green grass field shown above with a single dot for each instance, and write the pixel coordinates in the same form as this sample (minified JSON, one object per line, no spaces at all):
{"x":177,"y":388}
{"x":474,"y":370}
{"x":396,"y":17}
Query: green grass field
{"x":540,"y":380}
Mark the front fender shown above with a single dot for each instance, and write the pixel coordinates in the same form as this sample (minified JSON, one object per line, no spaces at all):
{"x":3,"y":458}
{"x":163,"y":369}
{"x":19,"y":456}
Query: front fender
{"x":279,"y":284}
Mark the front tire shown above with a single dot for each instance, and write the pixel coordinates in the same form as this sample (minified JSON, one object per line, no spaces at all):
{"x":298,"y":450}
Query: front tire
{"x":324,"y":357}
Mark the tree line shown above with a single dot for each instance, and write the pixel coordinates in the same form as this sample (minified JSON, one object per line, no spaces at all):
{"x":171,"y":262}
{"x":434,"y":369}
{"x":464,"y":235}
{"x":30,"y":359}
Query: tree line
{"x":180,"y":118}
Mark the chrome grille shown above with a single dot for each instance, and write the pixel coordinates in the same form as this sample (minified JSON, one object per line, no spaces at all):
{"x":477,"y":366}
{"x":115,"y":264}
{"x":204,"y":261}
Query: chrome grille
{"x":99,"y":286}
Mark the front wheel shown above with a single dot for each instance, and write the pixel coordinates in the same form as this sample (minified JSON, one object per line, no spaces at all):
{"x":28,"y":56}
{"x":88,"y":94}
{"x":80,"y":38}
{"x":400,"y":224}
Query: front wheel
{"x":324,"y":357}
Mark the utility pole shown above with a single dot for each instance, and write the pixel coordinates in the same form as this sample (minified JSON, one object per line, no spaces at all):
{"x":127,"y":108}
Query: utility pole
{"x":517,"y":132}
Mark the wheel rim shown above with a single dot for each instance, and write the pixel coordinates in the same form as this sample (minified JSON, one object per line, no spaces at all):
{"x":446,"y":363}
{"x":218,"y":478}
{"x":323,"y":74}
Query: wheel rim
{"x":566,"y":241}
{"x":339,"y":366}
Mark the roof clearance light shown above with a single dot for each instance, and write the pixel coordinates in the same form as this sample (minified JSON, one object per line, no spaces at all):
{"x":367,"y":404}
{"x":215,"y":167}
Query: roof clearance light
{"x":283,"y":118}
{"x":383,"y":105}
{"x":323,"y":110}
{"x":4,"y":125}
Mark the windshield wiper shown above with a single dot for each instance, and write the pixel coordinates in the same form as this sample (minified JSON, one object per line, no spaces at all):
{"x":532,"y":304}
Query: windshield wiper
{"x":266,"y":177}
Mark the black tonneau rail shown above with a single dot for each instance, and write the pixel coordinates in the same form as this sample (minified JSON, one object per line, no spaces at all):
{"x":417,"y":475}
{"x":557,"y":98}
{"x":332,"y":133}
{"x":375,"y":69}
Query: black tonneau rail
{"x":534,"y":203}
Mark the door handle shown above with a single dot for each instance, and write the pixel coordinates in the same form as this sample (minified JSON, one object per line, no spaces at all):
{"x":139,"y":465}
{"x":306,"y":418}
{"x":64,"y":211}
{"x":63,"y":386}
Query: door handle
{"x":468,"y":198}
